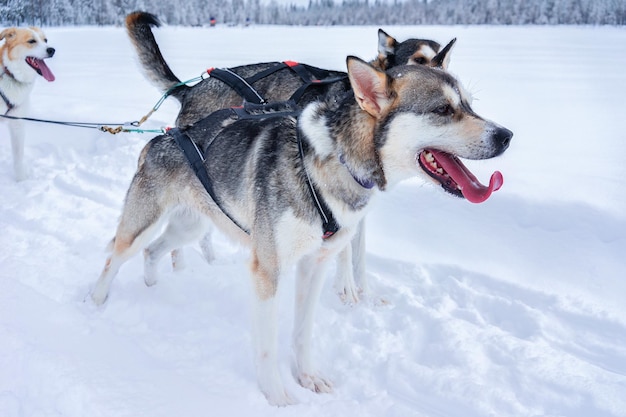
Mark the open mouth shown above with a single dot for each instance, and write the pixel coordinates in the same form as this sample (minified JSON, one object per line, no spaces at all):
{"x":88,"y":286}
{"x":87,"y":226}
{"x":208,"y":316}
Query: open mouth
{"x":455,"y":178}
{"x":40,"y":66}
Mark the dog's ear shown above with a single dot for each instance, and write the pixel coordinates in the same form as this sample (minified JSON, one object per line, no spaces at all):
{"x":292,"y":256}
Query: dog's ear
{"x":7,"y":33}
{"x":370,"y":86}
{"x":386,"y":49}
{"x":442,"y":59}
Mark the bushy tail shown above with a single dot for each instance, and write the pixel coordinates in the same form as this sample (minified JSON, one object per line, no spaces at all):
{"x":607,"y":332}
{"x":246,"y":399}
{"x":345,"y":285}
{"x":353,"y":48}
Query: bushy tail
{"x":139,"y":28}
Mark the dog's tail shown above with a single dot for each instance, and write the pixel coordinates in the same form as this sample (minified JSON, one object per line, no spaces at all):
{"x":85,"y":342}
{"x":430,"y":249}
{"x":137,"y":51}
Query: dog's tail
{"x":139,"y":28}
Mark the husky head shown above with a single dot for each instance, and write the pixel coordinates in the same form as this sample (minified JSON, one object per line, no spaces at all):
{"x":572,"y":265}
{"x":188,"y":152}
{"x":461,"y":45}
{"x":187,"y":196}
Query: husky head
{"x":423,"y":123}
{"x":392,"y":53}
{"x":23,"y":54}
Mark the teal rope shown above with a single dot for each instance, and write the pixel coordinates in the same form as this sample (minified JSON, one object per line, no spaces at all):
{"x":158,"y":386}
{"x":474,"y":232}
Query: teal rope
{"x":164,"y":96}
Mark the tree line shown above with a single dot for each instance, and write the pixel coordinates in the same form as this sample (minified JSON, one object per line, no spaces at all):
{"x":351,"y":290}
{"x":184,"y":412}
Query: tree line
{"x":318,"y":12}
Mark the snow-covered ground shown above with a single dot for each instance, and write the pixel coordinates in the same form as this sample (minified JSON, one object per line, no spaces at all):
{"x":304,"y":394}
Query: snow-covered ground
{"x":514,"y":307}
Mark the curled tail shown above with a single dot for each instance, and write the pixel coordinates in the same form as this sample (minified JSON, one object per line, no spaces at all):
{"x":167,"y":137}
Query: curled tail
{"x":139,"y":28}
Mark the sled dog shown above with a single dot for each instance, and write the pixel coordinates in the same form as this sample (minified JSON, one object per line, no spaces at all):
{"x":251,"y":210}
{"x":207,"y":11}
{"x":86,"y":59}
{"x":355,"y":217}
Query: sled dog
{"x":22,"y":57}
{"x":268,"y":82}
{"x":294,"y":189}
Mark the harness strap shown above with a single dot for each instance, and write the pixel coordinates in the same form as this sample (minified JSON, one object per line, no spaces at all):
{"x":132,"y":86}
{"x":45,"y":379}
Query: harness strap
{"x":10,"y":106}
{"x":284,"y":109}
{"x":301,"y":70}
{"x":296,"y":67}
{"x":310,"y":76}
{"x":269,"y":71}
{"x":237,"y":83}
{"x":196,"y":160}
{"x":297,"y":95}
{"x":329,"y":224}
{"x":264,"y":111}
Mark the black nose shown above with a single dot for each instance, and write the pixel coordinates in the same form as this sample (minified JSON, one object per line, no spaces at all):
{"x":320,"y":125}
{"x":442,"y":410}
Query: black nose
{"x":50,"y":52}
{"x":502,"y":138}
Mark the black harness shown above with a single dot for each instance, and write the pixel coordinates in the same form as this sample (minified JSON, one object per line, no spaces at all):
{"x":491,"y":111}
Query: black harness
{"x":196,"y":160}
{"x":310,"y":76}
{"x":10,"y":106}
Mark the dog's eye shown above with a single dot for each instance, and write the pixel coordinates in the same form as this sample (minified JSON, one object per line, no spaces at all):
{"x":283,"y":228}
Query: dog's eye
{"x":444,"y":110}
{"x":420,"y":61}
{"x":32,"y":41}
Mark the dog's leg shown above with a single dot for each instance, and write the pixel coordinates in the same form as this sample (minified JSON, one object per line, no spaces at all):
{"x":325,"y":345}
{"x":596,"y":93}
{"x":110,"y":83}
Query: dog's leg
{"x":100,"y":291}
{"x":344,"y":282}
{"x":206,"y":246}
{"x":16,"y":129}
{"x":265,"y":275}
{"x":184,"y":226}
{"x":138,"y":225}
{"x":179,"y":261}
{"x":309,"y":281}
{"x":358,"y":259}
{"x":351,"y":269}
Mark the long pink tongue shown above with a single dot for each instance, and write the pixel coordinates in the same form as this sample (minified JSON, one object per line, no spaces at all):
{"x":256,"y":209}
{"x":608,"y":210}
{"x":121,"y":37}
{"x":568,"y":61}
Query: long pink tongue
{"x":45,"y":71}
{"x":471,"y":188}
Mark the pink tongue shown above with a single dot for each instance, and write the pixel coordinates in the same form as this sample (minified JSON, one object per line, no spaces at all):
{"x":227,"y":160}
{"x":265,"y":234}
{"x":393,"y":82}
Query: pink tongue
{"x":471,"y":188}
{"x":45,"y":71}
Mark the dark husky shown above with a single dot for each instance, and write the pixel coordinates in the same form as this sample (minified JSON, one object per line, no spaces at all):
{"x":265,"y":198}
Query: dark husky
{"x":275,"y":181}
{"x":269,"y":82}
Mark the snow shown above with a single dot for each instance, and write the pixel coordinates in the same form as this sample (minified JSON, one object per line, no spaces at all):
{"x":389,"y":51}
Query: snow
{"x":514,"y":307}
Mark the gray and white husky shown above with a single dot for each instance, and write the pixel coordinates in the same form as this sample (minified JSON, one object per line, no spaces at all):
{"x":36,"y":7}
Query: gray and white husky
{"x":211,"y":94}
{"x":275,"y":178}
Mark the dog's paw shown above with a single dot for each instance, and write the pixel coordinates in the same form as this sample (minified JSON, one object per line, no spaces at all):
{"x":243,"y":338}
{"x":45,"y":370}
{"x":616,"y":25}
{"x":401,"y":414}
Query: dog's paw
{"x":99,"y":296}
{"x":278,"y":397}
{"x":282,"y":400}
{"x":271,"y":385}
{"x":349,"y":295}
{"x":315,"y":383}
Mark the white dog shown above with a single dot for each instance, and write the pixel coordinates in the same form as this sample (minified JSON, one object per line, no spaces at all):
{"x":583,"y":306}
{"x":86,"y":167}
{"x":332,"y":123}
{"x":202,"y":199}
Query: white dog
{"x":21,"y":58}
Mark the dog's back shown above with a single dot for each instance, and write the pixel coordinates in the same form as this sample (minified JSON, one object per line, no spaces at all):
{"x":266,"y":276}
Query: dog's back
{"x":213,"y":94}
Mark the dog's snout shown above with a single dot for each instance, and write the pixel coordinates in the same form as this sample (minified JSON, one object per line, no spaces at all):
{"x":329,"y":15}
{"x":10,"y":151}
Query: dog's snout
{"x":502,"y":138}
{"x":50,"y":52}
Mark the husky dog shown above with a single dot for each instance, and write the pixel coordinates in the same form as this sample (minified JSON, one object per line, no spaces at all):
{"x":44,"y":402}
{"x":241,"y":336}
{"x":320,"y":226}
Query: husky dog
{"x":214,"y":93}
{"x":276,"y":182}
{"x":21,"y":59}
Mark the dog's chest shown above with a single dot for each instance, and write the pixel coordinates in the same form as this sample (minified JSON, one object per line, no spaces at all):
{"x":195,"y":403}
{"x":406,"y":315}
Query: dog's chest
{"x":13,"y":92}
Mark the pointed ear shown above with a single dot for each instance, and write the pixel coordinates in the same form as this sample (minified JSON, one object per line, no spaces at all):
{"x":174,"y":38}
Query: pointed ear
{"x":370,"y":86}
{"x":386,"y":45}
{"x":442,"y":59}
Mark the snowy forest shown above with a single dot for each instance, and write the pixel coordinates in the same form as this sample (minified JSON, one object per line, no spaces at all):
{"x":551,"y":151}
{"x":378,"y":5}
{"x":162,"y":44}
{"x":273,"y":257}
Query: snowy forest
{"x":318,"y":12}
